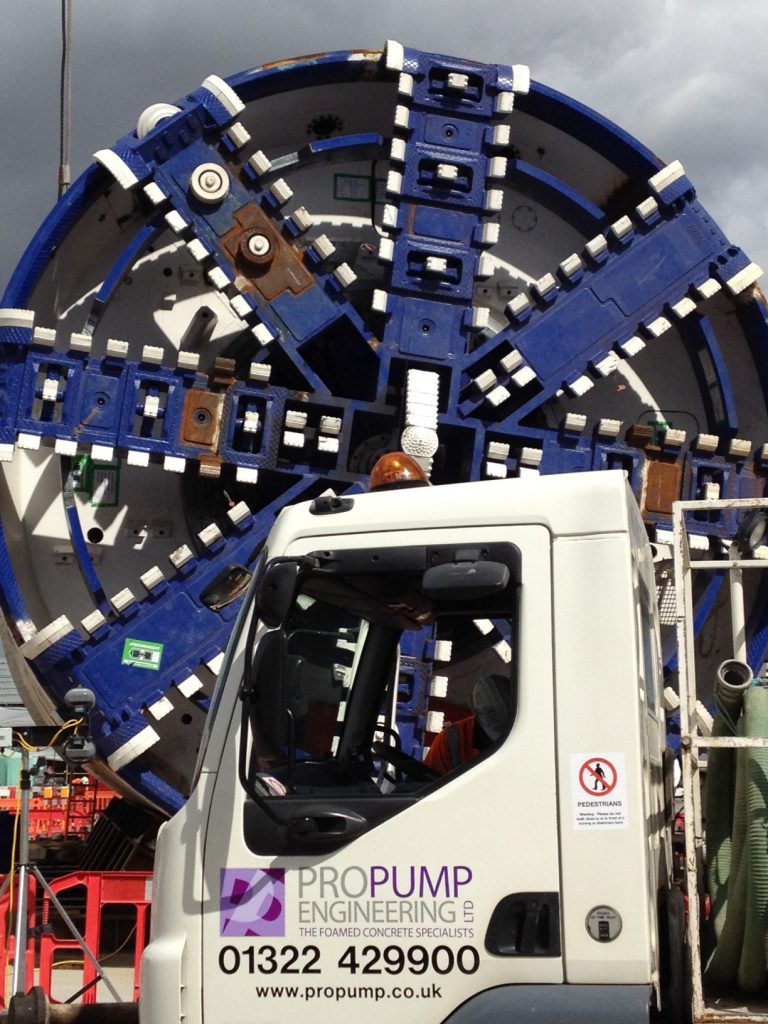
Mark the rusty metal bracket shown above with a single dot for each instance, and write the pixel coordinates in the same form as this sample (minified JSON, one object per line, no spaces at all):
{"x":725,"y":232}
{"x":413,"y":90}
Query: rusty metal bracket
{"x":264,"y":262}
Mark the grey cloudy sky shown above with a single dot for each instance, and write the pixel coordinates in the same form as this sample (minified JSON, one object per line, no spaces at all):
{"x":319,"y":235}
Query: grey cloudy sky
{"x":689,"y":78}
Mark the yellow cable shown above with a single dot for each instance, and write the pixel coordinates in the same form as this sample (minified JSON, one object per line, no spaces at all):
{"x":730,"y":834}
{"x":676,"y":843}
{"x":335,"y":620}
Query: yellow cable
{"x":103,"y":959}
{"x":72,"y":723}
{"x":9,"y":922}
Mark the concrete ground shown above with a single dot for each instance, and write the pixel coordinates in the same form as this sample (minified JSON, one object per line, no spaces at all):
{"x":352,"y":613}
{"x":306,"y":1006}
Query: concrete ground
{"x":67,"y":981}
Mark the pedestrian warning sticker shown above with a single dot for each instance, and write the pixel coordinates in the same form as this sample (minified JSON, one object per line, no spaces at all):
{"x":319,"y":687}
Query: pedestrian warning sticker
{"x":598,"y":791}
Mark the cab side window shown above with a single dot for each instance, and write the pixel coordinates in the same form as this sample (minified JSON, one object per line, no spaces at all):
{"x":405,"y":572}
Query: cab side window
{"x":349,"y":698}
{"x":472,"y":700}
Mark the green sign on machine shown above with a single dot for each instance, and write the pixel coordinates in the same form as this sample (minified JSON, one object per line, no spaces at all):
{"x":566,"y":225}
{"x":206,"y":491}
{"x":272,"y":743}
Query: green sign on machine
{"x":99,"y":480}
{"x":142,"y":654}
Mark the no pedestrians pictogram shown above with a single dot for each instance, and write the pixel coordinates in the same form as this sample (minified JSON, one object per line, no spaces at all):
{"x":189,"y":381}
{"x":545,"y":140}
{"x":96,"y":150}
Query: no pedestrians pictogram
{"x":598,"y":776}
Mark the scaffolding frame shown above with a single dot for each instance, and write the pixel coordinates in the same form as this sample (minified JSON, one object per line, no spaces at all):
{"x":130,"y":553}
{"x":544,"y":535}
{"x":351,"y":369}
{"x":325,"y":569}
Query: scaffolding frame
{"x":693,"y":738}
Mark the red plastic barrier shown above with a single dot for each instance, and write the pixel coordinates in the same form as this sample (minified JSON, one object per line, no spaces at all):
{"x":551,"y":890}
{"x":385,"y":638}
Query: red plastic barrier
{"x":102,"y":888}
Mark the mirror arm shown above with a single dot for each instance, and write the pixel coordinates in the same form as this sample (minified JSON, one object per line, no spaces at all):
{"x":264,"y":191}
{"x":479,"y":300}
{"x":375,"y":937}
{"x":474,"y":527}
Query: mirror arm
{"x":242,"y":767}
{"x":246,"y":780}
{"x":246,"y":687}
{"x":291,"y":749}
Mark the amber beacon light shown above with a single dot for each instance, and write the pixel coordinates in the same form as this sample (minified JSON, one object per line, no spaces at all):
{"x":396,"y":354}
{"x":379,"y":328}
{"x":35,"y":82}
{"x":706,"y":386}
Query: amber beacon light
{"x":396,"y":469}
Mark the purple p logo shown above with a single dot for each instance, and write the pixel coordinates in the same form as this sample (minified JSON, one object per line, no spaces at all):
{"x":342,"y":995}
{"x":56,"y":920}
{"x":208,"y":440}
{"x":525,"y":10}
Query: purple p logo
{"x":252,"y":902}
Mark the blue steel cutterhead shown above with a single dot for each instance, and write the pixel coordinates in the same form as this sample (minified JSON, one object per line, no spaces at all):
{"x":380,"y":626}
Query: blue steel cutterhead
{"x":280,"y":276}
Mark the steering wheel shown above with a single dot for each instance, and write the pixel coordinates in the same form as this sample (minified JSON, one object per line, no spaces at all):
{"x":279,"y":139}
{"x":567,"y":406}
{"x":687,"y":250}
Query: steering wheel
{"x":405,"y":764}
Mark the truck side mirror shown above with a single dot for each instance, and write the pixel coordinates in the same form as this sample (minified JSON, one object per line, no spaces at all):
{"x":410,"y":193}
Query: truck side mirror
{"x":277,"y":590}
{"x":267,"y":699}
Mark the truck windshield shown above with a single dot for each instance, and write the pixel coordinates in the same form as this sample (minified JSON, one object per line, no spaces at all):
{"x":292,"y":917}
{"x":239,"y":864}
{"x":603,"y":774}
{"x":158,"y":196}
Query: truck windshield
{"x":375,"y":683}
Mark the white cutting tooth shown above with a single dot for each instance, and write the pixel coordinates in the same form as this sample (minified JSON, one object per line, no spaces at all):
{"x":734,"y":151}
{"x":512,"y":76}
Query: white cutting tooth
{"x":46,"y":637}
{"x":129,"y":751}
{"x":117,"y":167}
{"x":160,"y":708}
{"x":180,"y":556}
{"x":24,"y":318}
{"x":609,"y":428}
{"x":209,"y":535}
{"x":122,"y":600}
{"x":152,"y":577}
{"x":575,"y":421}
{"x":744,"y":278}
{"x":259,"y":163}
{"x":666,"y":176}
{"x":225,"y":94}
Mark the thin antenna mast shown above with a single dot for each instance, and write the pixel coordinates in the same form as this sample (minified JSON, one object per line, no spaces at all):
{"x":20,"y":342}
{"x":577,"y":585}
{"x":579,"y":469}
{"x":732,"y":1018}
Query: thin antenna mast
{"x":66,"y":96}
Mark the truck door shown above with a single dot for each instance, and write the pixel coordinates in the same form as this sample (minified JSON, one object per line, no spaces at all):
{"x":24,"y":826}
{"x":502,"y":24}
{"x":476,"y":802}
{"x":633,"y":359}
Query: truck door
{"x":383,"y":825}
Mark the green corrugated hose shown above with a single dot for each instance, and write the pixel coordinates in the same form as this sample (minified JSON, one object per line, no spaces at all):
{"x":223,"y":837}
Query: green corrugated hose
{"x":733,"y":681}
{"x":752,"y":967}
{"x":728,"y":926}
{"x":721,"y":787}
{"x":739,"y":868}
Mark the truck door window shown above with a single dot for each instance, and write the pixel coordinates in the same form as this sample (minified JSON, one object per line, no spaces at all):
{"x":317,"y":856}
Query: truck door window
{"x":374,"y":685}
{"x":473,"y":701}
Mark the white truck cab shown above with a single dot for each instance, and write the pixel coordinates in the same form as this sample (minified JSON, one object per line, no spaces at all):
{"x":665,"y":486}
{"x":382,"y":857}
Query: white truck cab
{"x":432,"y":781}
